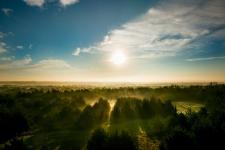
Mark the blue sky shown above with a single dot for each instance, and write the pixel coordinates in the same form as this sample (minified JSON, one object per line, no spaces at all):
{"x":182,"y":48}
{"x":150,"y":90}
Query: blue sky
{"x":71,"y":40}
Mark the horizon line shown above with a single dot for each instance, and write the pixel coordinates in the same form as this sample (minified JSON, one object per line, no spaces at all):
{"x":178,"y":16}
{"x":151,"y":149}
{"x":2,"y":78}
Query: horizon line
{"x":130,"y":82}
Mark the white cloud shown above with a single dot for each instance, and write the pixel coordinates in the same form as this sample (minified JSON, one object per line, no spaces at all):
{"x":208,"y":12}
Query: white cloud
{"x":10,"y":58}
{"x":27,"y":60}
{"x":2,"y":47}
{"x":25,"y":64}
{"x":19,"y":47}
{"x":38,"y":3}
{"x":25,"y":69}
{"x":68,"y":2}
{"x":16,"y":64}
{"x":50,"y":64}
{"x":76,"y":52}
{"x":165,"y":29}
{"x":7,"y":11}
{"x":205,"y":58}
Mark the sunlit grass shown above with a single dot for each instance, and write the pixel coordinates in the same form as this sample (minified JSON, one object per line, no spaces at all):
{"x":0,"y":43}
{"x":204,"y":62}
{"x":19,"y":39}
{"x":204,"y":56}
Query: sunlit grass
{"x":184,"y":107}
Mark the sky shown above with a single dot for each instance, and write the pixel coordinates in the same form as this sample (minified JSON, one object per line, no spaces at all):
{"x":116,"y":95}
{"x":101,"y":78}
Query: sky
{"x":112,"y":40}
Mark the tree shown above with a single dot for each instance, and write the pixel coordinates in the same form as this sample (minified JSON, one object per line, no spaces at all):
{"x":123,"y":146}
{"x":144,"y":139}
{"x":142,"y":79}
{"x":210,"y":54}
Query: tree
{"x":101,"y":140}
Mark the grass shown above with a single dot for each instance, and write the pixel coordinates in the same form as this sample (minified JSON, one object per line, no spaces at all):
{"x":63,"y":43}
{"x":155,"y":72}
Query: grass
{"x":183,"y":107}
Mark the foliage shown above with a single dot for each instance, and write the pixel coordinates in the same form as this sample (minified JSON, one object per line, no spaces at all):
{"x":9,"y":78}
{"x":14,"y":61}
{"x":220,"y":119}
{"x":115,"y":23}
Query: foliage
{"x":101,"y":140}
{"x":15,"y":144}
{"x":11,"y":125}
{"x":59,"y":117}
{"x":94,"y":115}
{"x":132,"y":108}
{"x":202,"y":130}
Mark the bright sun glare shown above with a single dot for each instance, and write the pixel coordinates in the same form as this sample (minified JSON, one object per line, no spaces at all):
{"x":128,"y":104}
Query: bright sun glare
{"x":118,"y":58}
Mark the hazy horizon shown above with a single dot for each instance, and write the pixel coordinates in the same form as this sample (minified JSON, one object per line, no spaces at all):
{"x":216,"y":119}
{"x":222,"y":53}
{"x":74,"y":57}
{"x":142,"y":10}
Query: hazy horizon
{"x":103,"y":84}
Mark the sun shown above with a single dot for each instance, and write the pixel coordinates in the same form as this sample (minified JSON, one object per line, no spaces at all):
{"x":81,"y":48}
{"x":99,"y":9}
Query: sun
{"x":118,"y":58}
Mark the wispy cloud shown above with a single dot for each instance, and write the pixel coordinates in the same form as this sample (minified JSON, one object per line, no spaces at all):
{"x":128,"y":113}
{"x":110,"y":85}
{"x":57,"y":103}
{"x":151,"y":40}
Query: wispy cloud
{"x":26,"y":64}
{"x":2,"y":47}
{"x":16,"y":64}
{"x":205,"y":58}
{"x":50,"y":64}
{"x":76,"y":52}
{"x":38,"y":3}
{"x":165,"y":29}
{"x":25,"y":68}
{"x":19,"y":47}
{"x":68,"y":2}
{"x":7,"y":11}
{"x":10,"y":58}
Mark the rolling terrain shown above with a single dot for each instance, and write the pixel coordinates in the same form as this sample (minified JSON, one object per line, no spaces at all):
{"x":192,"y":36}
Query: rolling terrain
{"x":101,"y":117}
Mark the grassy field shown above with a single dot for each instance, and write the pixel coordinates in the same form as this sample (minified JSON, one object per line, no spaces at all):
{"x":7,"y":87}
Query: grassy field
{"x":184,"y":107}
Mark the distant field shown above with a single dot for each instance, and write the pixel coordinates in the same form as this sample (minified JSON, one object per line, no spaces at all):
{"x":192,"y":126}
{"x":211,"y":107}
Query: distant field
{"x":183,"y":107}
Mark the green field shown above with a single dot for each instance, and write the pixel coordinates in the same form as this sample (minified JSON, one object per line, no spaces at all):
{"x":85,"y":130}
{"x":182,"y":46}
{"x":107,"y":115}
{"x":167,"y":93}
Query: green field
{"x":184,"y":107}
